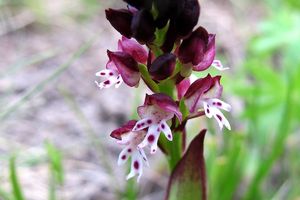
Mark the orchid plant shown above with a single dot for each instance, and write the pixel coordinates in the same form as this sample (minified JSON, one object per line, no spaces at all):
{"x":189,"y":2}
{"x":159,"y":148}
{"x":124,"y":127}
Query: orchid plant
{"x":161,"y":46}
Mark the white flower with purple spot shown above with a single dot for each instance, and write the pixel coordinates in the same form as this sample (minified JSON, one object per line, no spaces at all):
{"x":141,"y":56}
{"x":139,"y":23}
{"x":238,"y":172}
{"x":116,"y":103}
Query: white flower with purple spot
{"x":156,"y":111}
{"x":204,"y":94}
{"x":112,"y":77}
{"x":131,"y":140}
{"x":123,"y":65}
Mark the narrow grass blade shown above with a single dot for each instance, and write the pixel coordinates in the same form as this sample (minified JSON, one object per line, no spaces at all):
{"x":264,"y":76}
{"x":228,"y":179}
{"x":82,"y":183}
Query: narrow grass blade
{"x":16,"y":188}
{"x":56,"y":171}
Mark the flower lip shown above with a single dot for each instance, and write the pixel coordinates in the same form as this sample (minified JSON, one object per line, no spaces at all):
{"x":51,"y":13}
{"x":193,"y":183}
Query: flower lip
{"x":164,"y":102}
{"x":117,"y":134}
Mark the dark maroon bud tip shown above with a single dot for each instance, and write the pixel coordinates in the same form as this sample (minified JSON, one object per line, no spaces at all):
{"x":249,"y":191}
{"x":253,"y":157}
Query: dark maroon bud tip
{"x":193,"y":48}
{"x":140,"y":4}
{"x":120,"y":20}
{"x":188,"y":18}
{"x":143,"y":26}
{"x":163,"y":66}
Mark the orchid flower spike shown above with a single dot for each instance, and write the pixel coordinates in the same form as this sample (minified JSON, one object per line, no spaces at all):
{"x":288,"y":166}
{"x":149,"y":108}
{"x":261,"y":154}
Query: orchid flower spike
{"x":131,"y":140}
{"x":156,"y":111}
{"x":204,"y":93}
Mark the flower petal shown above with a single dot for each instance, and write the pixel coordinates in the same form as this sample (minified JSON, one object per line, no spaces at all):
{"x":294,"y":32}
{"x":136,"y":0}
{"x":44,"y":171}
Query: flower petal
{"x":192,"y":49}
{"x":164,"y":102}
{"x":215,"y":90}
{"x":133,"y":48}
{"x":188,"y":18}
{"x":120,"y":20}
{"x":143,"y":26}
{"x":209,"y":55}
{"x":140,"y":4}
{"x":127,"y":67}
{"x":196,"y":91}
{"x":182,"y":87}
{"x":126,"y":128}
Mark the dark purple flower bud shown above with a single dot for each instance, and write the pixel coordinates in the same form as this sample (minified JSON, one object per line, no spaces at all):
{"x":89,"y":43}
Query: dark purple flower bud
{"x":198,"y":49}
{"x":164,"y":12}
{"x":120,"y":20}
{"x":143,"y":26}
{"x":163,"y":66}
{"x":188,"y":17}
{"x":140,"y":4}
{"x":127,"y":67}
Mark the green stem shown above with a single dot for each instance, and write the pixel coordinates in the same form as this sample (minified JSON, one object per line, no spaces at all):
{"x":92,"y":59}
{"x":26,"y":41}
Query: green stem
{"x":147,"y":78}
{"x":174,"y":148}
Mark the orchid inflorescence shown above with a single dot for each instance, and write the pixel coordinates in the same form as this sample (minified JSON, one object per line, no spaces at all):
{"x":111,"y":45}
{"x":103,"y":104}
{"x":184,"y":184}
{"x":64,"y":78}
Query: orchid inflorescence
{"x":159,"y":46}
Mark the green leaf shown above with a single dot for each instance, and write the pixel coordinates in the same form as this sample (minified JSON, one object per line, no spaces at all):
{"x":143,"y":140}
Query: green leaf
{"x":188,"y":179}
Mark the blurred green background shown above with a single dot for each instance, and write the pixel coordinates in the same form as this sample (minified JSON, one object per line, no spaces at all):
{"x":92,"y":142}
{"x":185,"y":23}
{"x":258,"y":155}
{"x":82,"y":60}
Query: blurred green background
{"x":55,"y":124}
